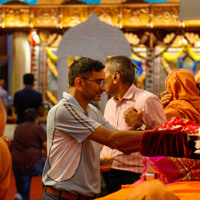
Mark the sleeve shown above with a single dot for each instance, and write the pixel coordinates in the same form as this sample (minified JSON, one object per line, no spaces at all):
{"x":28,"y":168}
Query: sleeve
{"x":101,"y":119}
{"x":71,"y":120}
{"x":153,"y":112}
{"x":108,"y":125}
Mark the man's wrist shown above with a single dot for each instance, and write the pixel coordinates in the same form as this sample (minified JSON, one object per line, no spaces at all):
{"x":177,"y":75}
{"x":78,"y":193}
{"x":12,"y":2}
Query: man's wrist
{"x":142,"y":128}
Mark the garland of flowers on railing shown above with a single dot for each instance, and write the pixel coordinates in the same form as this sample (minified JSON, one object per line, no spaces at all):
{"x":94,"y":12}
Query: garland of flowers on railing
{"x":155,"y":41}
{"x":144,"y":39}
{"x":187,"y":49}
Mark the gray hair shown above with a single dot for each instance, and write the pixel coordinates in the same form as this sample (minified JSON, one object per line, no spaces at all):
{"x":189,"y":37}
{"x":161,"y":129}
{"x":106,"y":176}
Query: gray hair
{"x":124,"y":66}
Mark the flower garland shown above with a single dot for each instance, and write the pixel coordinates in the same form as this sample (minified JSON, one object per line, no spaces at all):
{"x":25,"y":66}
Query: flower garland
{"x":166,"y":65}
{"x":50,"y":61}
{"x":51,"y":55}
{"x":144,"y":39}
{"x":192,"y":54}
{"x":52,"y":67}
{"x":184,"y":125}
{"x":171,"y":58}
{"x":186,"y":49}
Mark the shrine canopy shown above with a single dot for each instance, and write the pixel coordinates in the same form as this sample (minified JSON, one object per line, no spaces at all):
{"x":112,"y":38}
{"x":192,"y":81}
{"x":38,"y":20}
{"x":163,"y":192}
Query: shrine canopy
{"x":92,"y":38}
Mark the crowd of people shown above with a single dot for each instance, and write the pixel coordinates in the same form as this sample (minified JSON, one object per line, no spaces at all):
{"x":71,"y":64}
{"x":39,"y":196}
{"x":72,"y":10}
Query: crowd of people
{"x":77,"y":133}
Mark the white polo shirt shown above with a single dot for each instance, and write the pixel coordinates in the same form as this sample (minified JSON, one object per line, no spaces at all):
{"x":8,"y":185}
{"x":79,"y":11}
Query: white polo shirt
{"x":72,"y":160}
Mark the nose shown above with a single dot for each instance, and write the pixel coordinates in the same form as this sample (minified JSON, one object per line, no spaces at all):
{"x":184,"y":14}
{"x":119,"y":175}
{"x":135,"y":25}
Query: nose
{"x":104,"y":87}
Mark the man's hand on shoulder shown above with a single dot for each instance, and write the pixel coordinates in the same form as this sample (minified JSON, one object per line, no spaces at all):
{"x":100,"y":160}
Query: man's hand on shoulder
{"x":133,"y":117}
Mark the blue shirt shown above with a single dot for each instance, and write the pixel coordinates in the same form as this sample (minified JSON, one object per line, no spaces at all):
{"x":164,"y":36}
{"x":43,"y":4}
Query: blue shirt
{"x":24,"y":99}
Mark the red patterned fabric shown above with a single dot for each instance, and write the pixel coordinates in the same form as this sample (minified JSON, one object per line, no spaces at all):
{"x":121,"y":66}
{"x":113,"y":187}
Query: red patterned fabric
{"x":167,"y":143}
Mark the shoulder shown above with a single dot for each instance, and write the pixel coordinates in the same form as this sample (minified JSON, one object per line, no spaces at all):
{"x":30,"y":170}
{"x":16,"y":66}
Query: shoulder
{"x":36,"y":93}
{"x":63,"y":109}
{"x":18,"y":92}
{"x":40,"y":130}
{"x":110,"y":102}
{"x":92,"y":109}
{"x":145,"y":95}
{"x":3,"y":91}
{"x":94,"y":114}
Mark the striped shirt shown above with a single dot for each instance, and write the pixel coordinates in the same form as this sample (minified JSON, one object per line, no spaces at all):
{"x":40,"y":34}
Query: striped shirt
{"x":153,"y":115}
{"x":72,"y":160}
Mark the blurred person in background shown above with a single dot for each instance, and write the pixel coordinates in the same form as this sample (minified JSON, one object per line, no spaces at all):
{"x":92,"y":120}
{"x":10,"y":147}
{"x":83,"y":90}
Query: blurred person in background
{"x":27,"y":98}
{"x":28,"y":143}
{"x":3,"y":92}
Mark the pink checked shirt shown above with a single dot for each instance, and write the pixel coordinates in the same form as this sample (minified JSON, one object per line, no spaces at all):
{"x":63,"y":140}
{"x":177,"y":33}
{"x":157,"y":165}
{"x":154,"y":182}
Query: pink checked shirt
{"x":153,"y":115}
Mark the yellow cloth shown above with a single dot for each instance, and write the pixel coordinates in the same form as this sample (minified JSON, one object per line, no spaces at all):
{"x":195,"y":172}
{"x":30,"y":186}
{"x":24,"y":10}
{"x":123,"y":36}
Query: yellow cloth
{"x":186,"y":101}
{"x":5,"y":168}
{"x":152,"y":190}
{"x":185,"y":190}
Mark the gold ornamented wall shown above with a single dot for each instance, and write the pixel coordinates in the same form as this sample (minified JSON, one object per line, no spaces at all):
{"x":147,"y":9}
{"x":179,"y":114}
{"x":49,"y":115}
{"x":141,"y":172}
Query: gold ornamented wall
{"x":66,"y":16}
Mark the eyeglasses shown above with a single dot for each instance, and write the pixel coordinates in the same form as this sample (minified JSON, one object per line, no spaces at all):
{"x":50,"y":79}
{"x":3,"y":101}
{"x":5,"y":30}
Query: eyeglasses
{"x":100,"y":82}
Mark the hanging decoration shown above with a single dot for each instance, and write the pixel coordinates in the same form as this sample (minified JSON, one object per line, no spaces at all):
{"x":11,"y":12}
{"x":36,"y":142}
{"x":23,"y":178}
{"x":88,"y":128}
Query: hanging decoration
{"x":171,"y":58}
{"x":152,"y":42}
{"x":52,"y":67}
{"x":51,"y":55}
{"x":166,"y":65}
{"x":51,"y":60}
{"x":187,"y":50}
{"x":192,"y":53}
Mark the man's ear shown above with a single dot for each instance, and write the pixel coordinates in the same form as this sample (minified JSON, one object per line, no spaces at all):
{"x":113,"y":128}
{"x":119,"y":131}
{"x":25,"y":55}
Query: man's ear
{"x":78,"y":83}
{"x":116,"y":77}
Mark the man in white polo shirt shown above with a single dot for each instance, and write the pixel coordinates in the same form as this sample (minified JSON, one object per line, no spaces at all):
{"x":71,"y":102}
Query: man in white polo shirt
{"x":75,"y":132}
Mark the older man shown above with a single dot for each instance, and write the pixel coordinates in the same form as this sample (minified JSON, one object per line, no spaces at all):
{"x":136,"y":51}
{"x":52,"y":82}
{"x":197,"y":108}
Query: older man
{"x":120,"y":75}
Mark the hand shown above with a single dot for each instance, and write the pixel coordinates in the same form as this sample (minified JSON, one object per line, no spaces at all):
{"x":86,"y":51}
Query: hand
{"x":6,"y":140}
{"x":133,"y":117}
{"x":165,"y":98}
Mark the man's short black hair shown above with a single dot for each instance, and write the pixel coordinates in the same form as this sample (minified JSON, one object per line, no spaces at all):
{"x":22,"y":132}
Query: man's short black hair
{"x":83,"y":67}
{"x":28,"y":79}
{"x":30,"y":115}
